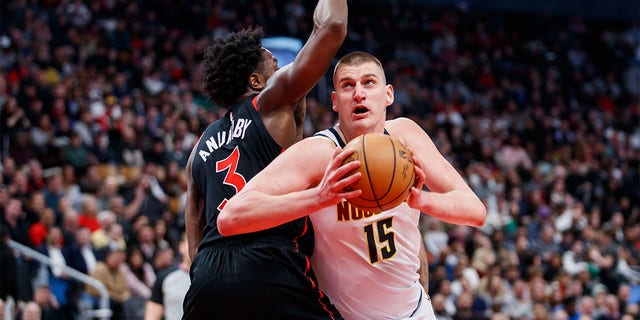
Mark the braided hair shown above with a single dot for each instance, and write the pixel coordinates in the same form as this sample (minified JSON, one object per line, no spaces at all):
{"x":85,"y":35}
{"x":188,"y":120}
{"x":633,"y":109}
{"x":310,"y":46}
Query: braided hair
{"x":228,"y":62}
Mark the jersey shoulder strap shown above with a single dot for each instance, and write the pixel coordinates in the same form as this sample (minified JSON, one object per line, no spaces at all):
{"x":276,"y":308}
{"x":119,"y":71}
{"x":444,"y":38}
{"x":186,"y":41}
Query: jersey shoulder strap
{"x":333,"y":135}
{"x":336,"y":136}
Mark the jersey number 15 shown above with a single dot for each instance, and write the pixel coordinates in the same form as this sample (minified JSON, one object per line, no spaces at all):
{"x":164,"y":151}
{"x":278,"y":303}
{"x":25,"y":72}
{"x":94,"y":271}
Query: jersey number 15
{"x":385,"y":238}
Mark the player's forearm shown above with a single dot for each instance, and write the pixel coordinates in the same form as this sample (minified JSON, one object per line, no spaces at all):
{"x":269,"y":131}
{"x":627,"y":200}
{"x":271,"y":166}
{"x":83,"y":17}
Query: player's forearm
{"x":457,"y":206}
{"x":255,"y":210}
{"x":313,"y":60}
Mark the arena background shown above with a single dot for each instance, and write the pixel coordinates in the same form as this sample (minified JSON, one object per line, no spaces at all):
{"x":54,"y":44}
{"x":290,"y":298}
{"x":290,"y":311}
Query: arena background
{"x":536,"y":102}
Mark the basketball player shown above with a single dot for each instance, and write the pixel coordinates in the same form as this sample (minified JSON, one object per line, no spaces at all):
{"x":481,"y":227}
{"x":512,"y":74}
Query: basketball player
{"x":262,"y":275}
{"x":366,"y":263}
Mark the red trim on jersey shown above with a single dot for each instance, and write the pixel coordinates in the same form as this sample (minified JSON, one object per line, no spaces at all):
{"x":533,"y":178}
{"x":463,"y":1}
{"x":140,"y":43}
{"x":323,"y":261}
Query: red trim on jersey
{"x":307,"y":268}
{"x":254,"y":102}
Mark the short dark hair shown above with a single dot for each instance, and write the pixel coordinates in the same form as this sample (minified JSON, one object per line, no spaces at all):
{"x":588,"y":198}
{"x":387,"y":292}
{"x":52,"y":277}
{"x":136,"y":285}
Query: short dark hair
{"x":357,"y":58}
{"x":228,"y":62}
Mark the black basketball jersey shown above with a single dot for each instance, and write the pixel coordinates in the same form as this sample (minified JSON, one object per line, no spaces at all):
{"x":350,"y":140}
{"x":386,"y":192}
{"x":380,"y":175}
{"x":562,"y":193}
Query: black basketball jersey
{"x":231,"y":151}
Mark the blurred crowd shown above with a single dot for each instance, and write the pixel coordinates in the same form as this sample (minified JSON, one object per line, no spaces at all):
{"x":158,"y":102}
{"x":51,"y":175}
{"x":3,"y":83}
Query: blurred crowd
{"x":101,"y":103}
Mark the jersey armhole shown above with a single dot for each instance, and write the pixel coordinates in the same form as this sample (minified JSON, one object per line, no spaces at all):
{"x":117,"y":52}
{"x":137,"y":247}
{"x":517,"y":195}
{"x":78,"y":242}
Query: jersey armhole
{"x":254,"y":102}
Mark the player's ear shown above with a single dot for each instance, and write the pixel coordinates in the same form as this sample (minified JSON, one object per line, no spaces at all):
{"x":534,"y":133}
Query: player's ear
{"x":333,"y":101}
{"x":390,"y":95}
{"x":257,"y":81}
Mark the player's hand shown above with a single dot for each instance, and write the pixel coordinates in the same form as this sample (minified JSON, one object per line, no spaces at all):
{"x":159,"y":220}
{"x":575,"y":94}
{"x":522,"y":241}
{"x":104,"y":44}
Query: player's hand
{"x":414,"y":194}
{"x":337,"y":177}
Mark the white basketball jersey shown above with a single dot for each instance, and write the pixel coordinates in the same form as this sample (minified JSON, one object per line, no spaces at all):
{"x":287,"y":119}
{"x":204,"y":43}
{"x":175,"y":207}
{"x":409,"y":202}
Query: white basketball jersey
{"x":368,"y":263}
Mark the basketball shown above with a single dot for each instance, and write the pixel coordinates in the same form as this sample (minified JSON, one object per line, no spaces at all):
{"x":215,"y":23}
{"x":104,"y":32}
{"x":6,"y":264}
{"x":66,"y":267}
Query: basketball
{"x":387,"y":171}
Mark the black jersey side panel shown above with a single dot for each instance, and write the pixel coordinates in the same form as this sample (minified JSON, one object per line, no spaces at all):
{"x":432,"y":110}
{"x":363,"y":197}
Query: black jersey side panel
{"x":229,"y":153}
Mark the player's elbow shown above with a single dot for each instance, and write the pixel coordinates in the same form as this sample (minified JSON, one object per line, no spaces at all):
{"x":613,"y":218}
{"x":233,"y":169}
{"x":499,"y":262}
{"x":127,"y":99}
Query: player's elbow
{"x":227,"y":223}
{"x":333,"y":31}
{"x":339,"y":29}
{"x":479,"y":215}
{"x":338,"y":25}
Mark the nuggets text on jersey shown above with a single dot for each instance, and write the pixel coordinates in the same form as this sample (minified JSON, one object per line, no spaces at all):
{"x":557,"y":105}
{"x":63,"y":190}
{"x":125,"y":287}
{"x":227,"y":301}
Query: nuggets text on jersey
{"x":346,"y":212}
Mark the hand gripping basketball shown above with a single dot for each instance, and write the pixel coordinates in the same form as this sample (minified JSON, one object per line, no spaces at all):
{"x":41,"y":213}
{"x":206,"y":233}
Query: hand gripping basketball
{"x":387,"y":171}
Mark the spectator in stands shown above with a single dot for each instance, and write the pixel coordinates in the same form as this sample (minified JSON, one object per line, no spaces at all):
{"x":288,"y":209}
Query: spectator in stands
{"x":114,"y":280}
{"x":35,"y":207}
{"x":519,"y":306}
{"x":116,"y":237}
{"x":480,"y":75}
{"x":53,"y":191}
{"x":91,"y":181}
{"x":124,"y":213}
{"x":35,"y":175}
{"x":31,"y":311}
{"x":55,"y":276}
{"x":604,"y":253}
{"x":70,"y":186}
{"x":438,"y":303}
{"x":89,"y":213}
{"x":8,"y":272}
{"x":38,"y":230}
{"x":49,"y":306}
{"x":164,"y":234}
{"x":573,"y":260}
{"x":69,"y":224}
{"x":140,"y":277}
{"x":153,"y":199}
{"x":109,"y":189}
{"x":435,"y":238}
{"x":611,"y":308}
{"x":83,"y":256}
{"x":16,"y":228}
{"x":145,"y":239}
{"x":76,"y":154}
{"x":19,"y":187}
{"x":158,"y":153}
{"x":174,"y":182}
{"x":100,"y":237}
{"x":8,"y":169}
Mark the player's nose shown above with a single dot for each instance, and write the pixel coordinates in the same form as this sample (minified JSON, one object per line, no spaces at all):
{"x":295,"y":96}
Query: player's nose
{"x":358,"y":92}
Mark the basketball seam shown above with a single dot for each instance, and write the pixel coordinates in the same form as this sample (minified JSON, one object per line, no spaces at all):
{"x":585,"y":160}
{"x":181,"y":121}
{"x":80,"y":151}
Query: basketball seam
{"x":393,"y":172}
{"x":407,"y":186}
{"x":366,"y":168}
{"x":393,"y":176}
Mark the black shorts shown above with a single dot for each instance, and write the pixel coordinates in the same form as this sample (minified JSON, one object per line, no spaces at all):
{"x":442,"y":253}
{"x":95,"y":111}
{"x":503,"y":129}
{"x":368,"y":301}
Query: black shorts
{"x":254,"y":279}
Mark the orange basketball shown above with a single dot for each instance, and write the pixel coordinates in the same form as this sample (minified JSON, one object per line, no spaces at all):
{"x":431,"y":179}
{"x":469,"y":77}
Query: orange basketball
{"x":387,"y":171}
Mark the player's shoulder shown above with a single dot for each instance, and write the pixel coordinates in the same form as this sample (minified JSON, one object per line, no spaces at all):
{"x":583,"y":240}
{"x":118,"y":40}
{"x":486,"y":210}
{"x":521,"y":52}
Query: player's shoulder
{"x":315,"y":143}
{"x":399,"y":121}
{"x":275,"y":95}
{"x":402,"y":125}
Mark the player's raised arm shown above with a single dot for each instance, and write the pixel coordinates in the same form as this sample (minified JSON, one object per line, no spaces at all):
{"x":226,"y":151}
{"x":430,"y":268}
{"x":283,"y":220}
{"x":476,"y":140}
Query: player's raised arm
{"x":292,"y":82}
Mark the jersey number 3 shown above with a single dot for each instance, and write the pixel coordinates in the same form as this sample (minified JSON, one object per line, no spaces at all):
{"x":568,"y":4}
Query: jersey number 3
{"x":232,"y":177}
{"x":382,"y":235}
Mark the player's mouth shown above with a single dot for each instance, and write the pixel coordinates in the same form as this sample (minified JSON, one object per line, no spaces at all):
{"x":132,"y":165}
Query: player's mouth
{"x":360,"y":110}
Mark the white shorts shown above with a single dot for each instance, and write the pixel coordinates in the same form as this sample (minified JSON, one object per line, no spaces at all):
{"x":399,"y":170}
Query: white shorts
{"x":424,"y":310}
